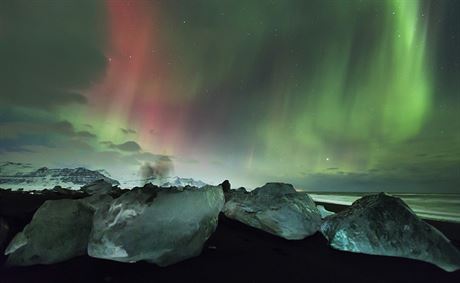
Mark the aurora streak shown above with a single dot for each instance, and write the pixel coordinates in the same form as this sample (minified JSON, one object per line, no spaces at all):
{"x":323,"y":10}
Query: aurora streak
{"x":327,"y":95}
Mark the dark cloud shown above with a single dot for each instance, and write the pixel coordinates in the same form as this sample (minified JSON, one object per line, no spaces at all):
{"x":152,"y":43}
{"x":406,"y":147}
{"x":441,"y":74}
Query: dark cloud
{"x":28,"y":136}
{"x":49,"y":49}
{"x":13,"y":145}
{"x":66,"y":128}
{"x":31,"y":131}
{"x":128,"y":131}
{"x":86,"y":134}
{"x":129,"y":146}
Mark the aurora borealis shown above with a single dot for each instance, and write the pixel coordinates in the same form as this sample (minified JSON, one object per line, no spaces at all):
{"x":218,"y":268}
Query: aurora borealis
{"x":327,"y":95}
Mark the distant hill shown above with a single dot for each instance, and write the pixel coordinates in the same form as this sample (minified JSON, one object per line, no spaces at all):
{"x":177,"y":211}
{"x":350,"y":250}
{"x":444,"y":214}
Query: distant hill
{"x":24,"y":176}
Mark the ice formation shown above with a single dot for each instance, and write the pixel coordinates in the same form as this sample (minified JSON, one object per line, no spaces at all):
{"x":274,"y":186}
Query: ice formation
{"x":58,"y":231}
{"x":162,"y":226}
{"x":384,"y":225}
{"x":276,"y":208}
{"x":98,"y":187}
{"x":323,"y":211}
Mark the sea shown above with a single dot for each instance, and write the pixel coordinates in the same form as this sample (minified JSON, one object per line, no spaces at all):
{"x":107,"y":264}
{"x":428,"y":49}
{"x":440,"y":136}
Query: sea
{"x":441,"y":207}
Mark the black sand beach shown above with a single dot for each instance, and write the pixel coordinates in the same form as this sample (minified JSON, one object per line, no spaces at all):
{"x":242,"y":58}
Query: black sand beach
{"x":238,"y":253}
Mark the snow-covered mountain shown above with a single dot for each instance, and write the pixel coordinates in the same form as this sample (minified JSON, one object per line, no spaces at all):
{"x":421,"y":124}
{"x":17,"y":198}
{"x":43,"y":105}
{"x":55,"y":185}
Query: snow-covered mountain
{"x":182,"y":182}
{"x":164,"y":182}
{"x":22,"y":175}
{"x":25,"y":176}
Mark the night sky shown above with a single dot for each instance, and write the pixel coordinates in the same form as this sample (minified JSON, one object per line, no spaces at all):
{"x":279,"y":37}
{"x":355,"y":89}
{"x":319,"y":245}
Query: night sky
{"x":337,"y":95}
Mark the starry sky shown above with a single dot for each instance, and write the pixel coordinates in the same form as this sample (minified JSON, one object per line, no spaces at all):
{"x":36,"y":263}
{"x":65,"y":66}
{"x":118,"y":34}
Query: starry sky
{"x":355,"y":95}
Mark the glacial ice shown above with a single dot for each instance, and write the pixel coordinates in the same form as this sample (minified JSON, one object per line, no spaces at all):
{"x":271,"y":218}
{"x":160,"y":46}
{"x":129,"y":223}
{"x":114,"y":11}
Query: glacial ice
{"x":276,"y":208}
{"x":97,"y":201}
{"x":323,"y":211}
{"x":58,"y":231}
{"x":162,"y":226}
{"x":384,"y":225}
{"x":98,"y":187}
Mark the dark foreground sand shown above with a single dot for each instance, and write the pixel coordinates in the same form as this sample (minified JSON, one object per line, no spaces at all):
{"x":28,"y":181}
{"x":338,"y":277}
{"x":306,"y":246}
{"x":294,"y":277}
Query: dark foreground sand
{"x":238,"y":253}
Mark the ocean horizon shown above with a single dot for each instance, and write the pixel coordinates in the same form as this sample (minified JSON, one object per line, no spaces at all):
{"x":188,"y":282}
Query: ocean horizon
{"x":433,"y":206}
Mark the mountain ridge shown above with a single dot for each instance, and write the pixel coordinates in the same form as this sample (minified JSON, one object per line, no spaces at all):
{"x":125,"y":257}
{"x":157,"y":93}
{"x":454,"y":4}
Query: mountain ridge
{"x":16,"y":175}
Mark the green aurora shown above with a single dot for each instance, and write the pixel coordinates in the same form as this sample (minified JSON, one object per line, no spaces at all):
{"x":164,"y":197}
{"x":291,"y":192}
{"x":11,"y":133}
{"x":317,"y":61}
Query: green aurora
{"x":328,"y":95}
